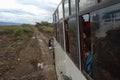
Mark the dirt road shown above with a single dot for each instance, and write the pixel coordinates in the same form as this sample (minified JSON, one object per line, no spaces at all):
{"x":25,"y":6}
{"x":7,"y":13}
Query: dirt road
{"x":34,"y":61}
{"x":46,"y":56}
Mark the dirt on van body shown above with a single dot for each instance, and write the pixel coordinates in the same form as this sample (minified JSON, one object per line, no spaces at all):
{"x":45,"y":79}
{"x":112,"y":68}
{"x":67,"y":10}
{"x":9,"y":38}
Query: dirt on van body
{"x":26,"y":59}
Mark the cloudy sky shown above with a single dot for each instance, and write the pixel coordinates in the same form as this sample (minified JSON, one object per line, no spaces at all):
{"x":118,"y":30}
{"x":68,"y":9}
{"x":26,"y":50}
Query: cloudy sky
{"x":27,"y":11}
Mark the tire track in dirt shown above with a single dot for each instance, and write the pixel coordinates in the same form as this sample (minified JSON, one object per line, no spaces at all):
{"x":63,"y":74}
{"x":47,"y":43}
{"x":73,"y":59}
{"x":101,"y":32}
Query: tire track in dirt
{"x":26,"y":63}
{"x":33,"y":52}
{"x":47,"y":57}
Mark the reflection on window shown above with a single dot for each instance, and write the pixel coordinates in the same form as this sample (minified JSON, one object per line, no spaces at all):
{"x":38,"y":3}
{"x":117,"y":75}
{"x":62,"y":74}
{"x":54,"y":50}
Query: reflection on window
{"x":57,"y":16}
{"x":66,"y":7}
{"x":86,"y":18}
{"x":83,"y":4}
{"x":61,"y":35}
{"x":99,"y":1}
{"x":106,"y":40}
{"x":73,"y":10}
{"x":54,"y":18}
{"x":73,"y":40}
{"x":118,"y":14}
{"x":86,"y":55}
{"x":60,"y":11}
{"x":107,"y":16}
{"x":67,"y":36}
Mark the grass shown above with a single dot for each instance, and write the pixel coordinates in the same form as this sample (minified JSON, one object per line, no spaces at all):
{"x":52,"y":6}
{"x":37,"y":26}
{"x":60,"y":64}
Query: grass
{"x":21,"y":32}
{"x":1,"y":63}
{"x":46,"y":28}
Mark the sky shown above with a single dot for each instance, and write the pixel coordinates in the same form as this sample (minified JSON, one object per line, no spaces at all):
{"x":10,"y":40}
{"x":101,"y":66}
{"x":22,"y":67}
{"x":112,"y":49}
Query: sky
{"x":27,"y":11}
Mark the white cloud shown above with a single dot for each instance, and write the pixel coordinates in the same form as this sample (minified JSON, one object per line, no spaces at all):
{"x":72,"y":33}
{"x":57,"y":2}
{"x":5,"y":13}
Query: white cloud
{"x":8,"y":4}
{"x":30,"y":12}
{"x":15,"y":17}
{"x":50,"y":2}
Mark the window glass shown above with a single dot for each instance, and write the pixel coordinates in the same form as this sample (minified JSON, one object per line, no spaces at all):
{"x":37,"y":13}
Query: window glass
{"x":55,"y":30}
{"x":60,"y":11}
{"x":54,"y":18}
{"x":57,"y":16}
{"x":73,"y":40}
{"x":101,"y":0}
{"x":61,"y":34}
{"x":106,"y":43}
{"x":67,"y":36}
{"x":83,"y":4}
{"x":86,"y":17}
{"x":73,"y":9}
{"x":66,"y":8}
{"x":86,"y":54}
{"x":117,"y":16}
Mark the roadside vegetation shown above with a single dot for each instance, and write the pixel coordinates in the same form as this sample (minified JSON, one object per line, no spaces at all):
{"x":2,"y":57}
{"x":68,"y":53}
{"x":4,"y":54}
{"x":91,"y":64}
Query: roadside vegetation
{"x":12,"y":39}
{"x":20,"y":51}
{"x":45,"y":27}
{"x":20,"y":32}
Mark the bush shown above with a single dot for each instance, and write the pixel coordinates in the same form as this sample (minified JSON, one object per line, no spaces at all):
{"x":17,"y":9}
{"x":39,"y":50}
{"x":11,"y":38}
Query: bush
{"x":1,"y":63}
{"x":21,"y":32}
{"x":18,"y":32}
{"x":46,"y":29}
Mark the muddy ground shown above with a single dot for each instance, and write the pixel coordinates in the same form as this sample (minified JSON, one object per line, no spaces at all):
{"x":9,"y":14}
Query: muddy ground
{"x":26,"y":59}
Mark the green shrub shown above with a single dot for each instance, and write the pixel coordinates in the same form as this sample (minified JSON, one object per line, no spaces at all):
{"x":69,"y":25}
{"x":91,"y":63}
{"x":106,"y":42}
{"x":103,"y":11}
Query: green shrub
{"x":23,"y":36}
{"x":46,"y":29}
{"x":2,"y":62}
{"x":18,"y":32}
{"x":21,"y":32}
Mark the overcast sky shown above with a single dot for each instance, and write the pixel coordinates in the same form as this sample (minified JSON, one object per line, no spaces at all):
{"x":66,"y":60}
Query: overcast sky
{"x":27,"y":11}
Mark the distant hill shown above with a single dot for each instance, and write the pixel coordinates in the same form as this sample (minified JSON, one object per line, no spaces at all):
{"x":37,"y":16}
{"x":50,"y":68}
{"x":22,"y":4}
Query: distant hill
{"x":9,"y":23}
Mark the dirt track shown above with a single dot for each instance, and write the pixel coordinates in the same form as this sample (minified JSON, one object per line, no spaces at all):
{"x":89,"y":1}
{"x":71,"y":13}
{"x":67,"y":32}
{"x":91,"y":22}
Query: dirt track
{"x":26,"y":64}
{"x":46,"y":57}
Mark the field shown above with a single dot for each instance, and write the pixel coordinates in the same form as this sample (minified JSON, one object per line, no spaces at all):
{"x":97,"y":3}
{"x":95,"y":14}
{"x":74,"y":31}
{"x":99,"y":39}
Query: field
{"x":21,"y":52}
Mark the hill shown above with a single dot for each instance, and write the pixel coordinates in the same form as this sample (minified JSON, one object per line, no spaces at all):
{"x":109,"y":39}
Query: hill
{"x":9,"y":23}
